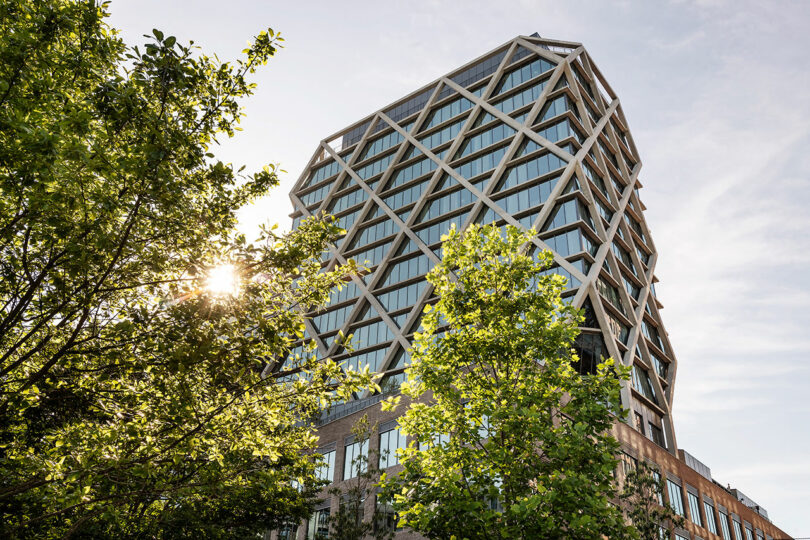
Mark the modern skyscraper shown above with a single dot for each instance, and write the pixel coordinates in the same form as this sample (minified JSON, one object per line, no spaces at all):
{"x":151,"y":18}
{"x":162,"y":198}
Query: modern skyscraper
{"x":532,"y":135}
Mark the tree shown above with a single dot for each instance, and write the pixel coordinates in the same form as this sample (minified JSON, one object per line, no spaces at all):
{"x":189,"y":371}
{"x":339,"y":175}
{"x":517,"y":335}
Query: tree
{"x":349,"y":522}
{"x":133,"y":401}
{"x":642,"y":497}
{"x":510,"y":441}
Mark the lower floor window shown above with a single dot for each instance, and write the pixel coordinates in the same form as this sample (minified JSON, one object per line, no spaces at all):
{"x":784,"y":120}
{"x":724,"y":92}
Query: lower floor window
{"x":318,"y":528}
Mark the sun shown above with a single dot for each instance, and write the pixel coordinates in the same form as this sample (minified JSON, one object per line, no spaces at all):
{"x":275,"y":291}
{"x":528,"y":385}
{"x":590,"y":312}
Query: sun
{"x":222,"y":280}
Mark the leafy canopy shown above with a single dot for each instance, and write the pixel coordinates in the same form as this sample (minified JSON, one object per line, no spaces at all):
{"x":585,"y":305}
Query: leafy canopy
{"x":132,"y":401}
{"x":510,"y":441}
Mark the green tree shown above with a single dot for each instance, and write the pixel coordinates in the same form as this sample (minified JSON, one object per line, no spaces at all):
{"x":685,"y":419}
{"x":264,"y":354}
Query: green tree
{"x":511,"y":442}
{"x":133,"y":401}
{"x":350,"y":521}
{"x":642,"y":497}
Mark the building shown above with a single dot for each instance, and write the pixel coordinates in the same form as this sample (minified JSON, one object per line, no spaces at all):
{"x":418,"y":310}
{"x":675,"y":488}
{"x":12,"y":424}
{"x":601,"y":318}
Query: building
{"x":529,"y":134}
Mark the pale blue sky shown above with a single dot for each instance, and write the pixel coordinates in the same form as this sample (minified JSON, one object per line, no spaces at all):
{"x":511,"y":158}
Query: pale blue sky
{"x":717,"y":95}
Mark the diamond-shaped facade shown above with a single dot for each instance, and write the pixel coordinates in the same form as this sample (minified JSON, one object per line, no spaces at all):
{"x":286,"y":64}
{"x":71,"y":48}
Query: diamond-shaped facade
{"x":529,"y":135}
{"x":532,"y":135}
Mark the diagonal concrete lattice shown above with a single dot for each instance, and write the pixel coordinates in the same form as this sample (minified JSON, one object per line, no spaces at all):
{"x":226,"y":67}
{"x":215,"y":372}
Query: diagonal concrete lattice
{"x":529,"y":102}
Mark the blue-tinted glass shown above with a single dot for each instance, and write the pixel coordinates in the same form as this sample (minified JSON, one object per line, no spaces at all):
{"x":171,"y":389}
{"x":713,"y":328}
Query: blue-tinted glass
{"x":371,"y":233}
{"x":567,"y":213}
{"x":347,"y":292}
{"x":380,"y":144}
{"x":406,"y":196}
{"x":322,"y":173}
{"x":445,"y":204}
{"x":347,"y":201}
{"x":484,"y":139}
{"x":372,"y":256}
{"x":374,"y":168}
{"x":432,"y":234}
{"x":371,"y":334}
{"x":529,"y":170}
{"x":316,"y":196}
{"x":481,"y":164}
{"x":529,"y":197}
{"x":475,"y":73}
{"x":557,"y":106}
{"x":520,"y":99}
{"x":522,"y":74}
{"x":371,"y":359}
{"x":402,"y":297}
{"x":446,"y":112}
{"x":332,"y":320}
{"x":414,"y":170}
{"x":675,"y":497}
{"x":443,"y":135}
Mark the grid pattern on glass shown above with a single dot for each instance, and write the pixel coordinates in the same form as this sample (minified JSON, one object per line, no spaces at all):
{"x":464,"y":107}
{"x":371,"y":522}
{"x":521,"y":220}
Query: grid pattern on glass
{"x":675,"y":497}
{"x":514,"y":181}
{"x":390,"y":441}
{"x":708,"y":511}
{"x":694,"y":509}
{"x":355,"y":459}
{"x":326,"y":470}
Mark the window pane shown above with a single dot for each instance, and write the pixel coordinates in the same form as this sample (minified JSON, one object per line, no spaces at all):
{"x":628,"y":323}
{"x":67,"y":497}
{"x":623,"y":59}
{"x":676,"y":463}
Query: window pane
{"x":675,"y":497}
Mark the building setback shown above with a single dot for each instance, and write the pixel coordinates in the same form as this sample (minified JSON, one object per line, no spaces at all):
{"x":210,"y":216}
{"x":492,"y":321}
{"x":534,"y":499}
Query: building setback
{"x":529,"y":134}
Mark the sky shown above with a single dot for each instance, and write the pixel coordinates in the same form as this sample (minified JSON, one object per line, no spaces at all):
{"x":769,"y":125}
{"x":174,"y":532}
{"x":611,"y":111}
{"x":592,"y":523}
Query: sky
{"x":717,"y":96}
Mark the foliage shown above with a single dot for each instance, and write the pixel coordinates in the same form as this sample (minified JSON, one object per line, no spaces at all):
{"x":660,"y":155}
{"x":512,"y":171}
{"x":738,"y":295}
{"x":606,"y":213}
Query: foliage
{"x":642,"y":497}
{"x":133,"y":402}
{"x":510,"y":441}
{"x":349,"y":522}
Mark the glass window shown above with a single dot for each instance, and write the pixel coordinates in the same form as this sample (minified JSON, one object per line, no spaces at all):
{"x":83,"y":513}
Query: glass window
{"x":326,"y":471}
{"x":390,"y":441}
{"x":404,"y":110}
{"x":355,"y":459}
{"x":446,"y":112}
{"x":675,"y":497}
{"x":657,"y":435}
{"x":694,"y":508}
{"x":724,"y":527}
{"x":651,"y":332}
{"x":711,"y":524}
{"x":611,"y":294}
{"x":520,"y":99}
{"x":446,"y":203}
{"x":288,"y":531}
{"x":528,"y":198}
{"x":373,"y":255}
{"x":378,"y":145}
{"x":369,"y":234}
{"x":318,"y":528}
{"x":475,"y":73}
{"x":443,"y":135}
{"x":481,"y":164}
{"x":531,"y":169}
{"x":407,"y":269}
{"x":433,"y":233}
{"x":406,"y":196}
{"x":402,"y":297}
{"x":659,"y":492}
{"x":737,"y":530}
{"x":374,"y":168}
{"x":371,"y":334}
{"x":643,"y":384}
{"x":522,"y":74}
{"x":556,"y":108}
{"x":486,"y":138}
{"x":386,"y":520}
{"x":567,"y":213}
{"x":749,"y":534}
